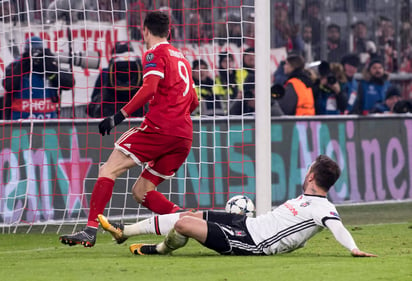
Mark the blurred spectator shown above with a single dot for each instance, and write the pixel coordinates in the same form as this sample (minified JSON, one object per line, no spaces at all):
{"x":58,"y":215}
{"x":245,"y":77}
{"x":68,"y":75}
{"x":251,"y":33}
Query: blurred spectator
{"x":110,"y":11}
{"x":387,"y":44}
{"x":392,"y":96}
{"x":311,"y":52}
{"x":329,"y":99}
{"x":406,"y":64}
{"x":210,"y":104}
{"x":372,"y":87}
{"x":337,"y":47}
{"x":362,"y":46}
{"x":298,"y":97}
{"x":176,"y":8}
{"x":248,"y":68}
{"x":230,"y":31}
{"x":280,"y":77}
{"x":205,"y":11}
{"x":196,"y":30}
{"x":311,"y":15}
{"x":249,"y":30}
{"x":8,"y":18}
{"x":247,"y":104}
{"x":228,"y":80}
{"x":350,"y":64}
{"x":33,"y":83}
{"x":246,"y":77}
{"x":135,"y":13}
{"x":8,"y":11}
{"x":117,"y":83}
{"x":285,"y":34}
{"x":175,"y":35}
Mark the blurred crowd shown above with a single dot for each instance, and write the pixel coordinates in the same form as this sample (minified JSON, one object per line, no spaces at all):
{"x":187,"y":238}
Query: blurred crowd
{"x":336,"y":63}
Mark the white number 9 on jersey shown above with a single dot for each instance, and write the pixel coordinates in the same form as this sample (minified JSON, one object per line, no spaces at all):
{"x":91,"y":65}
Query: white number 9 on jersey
{"x":184,"y":74}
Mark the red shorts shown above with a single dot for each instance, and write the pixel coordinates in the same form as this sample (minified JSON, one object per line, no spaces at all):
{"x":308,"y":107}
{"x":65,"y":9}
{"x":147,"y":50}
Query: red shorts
{"x":163,"y":154}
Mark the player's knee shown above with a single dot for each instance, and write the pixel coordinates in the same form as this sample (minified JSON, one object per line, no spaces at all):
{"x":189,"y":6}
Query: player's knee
{"x":183,"y":224}
{"x":141,"y":187}
{"x":196,"y":214}
{"x":138,"y":195}
{"x":107,"y":171}
{"x":103,"y":171}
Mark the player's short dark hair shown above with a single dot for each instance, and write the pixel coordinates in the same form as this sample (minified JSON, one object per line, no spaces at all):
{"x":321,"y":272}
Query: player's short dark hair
{"x":157,"y":23}
{"x":326,"y":172}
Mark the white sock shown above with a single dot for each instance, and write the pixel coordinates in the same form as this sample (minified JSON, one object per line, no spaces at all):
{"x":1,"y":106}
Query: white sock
{"x":160,"y":225}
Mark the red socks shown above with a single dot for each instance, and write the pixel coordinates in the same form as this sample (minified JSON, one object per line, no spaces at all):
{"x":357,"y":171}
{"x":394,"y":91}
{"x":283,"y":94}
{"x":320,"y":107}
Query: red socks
{"x":102,"y":192}
{"x":157,"y":202}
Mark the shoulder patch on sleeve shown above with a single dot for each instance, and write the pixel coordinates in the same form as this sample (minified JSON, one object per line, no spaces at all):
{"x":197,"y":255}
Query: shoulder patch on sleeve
{"x":150,"y":65}
{"x":334,"y":214}
{"x":149,"y":57}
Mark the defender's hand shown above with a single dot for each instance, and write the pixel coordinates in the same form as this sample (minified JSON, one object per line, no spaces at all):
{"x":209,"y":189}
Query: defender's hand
{"x":359,"y":253}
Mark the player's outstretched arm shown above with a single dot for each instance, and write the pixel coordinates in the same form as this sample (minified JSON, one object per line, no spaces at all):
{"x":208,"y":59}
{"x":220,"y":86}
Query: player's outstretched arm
{"x":343,"y":236}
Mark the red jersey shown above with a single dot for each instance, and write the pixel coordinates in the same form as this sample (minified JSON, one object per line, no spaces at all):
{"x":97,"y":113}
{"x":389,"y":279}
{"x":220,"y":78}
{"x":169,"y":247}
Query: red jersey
{"x":169,"y":109}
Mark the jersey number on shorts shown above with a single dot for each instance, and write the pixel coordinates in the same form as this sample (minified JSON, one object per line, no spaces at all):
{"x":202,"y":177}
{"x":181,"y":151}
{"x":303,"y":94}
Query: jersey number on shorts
{"x":184,"y":74}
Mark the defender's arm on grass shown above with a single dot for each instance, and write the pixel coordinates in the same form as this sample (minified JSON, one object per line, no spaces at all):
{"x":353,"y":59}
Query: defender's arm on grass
{"x":343,"y":236}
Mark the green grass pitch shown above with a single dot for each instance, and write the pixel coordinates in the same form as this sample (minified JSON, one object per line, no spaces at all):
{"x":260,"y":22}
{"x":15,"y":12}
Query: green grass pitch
{"x":382,"y":229}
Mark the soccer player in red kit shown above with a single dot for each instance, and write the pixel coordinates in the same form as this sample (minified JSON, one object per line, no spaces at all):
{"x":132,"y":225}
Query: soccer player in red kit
{"x":164,"y":138}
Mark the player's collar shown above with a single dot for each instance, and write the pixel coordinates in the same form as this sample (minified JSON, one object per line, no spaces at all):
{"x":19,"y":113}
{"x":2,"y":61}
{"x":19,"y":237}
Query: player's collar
{"x":314,"y":195}
{"x":157,"y":44}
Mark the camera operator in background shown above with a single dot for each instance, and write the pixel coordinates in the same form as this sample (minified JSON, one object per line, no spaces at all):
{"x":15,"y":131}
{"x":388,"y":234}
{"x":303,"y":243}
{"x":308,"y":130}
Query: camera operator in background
{"x":33,"y":83}
{"x":329,"y":99}
{"x":117,"y":83}
{"x":393,"y":103}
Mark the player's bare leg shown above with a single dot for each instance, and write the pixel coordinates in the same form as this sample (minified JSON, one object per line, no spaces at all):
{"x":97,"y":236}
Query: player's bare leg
{"x":141,"y":187}
{"x":144,"y":191}
{"x":117,"y":164}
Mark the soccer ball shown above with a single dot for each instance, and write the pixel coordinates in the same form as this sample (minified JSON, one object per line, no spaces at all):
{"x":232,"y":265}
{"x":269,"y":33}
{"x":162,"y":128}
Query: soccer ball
{"x":240,"y":204}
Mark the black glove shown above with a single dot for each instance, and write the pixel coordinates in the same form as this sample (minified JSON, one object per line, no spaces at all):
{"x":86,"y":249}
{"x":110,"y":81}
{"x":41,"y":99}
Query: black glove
{"x":110,"y":122}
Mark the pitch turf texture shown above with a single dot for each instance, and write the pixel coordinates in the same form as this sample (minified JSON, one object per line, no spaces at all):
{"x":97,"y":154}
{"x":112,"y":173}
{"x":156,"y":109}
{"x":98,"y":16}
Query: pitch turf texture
{"x":382,"y":229}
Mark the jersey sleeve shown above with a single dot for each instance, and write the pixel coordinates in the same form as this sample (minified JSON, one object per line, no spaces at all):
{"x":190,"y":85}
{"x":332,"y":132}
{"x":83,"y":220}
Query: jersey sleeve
{"x":144,"y":94}
{"x":324,"y":213}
